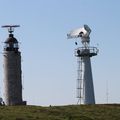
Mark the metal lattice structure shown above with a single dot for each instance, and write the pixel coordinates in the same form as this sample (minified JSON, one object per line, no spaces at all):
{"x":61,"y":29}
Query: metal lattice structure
{"x":80,"y":82}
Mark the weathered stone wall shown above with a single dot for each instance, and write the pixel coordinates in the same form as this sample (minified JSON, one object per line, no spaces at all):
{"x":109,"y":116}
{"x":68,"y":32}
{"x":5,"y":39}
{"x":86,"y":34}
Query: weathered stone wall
{"x":12,"y":78}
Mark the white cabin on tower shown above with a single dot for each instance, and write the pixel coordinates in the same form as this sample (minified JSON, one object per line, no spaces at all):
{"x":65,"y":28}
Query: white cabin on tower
{"x":85,"y":87}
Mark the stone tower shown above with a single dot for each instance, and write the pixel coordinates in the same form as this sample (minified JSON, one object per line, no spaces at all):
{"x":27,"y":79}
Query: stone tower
{"x":12,"y":70}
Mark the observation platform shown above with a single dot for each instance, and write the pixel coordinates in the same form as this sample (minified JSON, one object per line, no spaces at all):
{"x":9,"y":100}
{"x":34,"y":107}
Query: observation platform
{"x":86,"y":51}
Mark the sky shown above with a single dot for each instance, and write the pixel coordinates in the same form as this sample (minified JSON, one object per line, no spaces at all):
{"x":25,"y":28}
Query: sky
{"x":49,"y":67}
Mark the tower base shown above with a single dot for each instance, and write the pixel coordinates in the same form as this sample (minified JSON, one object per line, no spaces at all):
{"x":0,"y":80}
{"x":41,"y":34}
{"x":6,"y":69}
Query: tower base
{"x":20,"y":103}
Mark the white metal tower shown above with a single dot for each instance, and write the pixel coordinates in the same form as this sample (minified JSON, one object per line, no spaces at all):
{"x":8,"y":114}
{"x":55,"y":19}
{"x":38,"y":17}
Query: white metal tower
{"x":85,"y":87}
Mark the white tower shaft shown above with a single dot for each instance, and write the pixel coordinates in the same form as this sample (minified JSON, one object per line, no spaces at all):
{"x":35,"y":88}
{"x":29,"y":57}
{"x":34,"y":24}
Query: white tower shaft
{"x":88,"y":87}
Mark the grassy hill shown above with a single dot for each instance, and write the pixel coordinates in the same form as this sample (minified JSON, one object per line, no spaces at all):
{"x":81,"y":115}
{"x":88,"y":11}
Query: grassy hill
{"x":70,"y":112}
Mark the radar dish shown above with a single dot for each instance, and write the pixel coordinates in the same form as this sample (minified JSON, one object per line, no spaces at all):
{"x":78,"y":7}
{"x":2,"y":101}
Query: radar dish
{"x":86,"y":27}
{"x":79,"y":32}
{"x":75,"y":33}
{"x":82,"y":32}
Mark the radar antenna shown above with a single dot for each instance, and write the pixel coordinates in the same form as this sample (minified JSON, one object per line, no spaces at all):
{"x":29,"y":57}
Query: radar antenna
{"x":10,"y":28}
{"x":83,"y":33}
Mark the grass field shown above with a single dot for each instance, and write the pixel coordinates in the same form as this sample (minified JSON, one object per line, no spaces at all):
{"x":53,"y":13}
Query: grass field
{"x":70,"y":112}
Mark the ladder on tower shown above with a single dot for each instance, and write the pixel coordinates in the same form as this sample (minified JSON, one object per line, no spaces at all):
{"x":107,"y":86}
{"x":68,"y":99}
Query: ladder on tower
{"x":80,"y":81}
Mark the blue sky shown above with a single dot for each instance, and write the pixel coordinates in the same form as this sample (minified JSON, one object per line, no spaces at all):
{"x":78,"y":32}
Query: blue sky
{"x":48,"y":63}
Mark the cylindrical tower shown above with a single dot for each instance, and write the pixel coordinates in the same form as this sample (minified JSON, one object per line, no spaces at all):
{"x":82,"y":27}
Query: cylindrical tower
{"x":12,"y":71}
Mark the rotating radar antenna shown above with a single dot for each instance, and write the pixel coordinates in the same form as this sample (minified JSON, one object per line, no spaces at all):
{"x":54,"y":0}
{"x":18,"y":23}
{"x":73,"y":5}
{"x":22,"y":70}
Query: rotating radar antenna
{"x":83,"y":33}
{"x":10,"y":28}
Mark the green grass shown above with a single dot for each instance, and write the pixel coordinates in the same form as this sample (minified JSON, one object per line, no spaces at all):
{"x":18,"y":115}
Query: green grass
{"x":70,"y":112}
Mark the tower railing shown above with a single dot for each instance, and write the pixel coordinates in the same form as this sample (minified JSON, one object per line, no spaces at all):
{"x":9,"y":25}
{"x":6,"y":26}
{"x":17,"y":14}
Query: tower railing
{"x":86,"y":51}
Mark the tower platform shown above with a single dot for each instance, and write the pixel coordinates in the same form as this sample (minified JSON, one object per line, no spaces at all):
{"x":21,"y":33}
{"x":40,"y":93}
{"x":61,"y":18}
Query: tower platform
{"x":86,"y":51}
